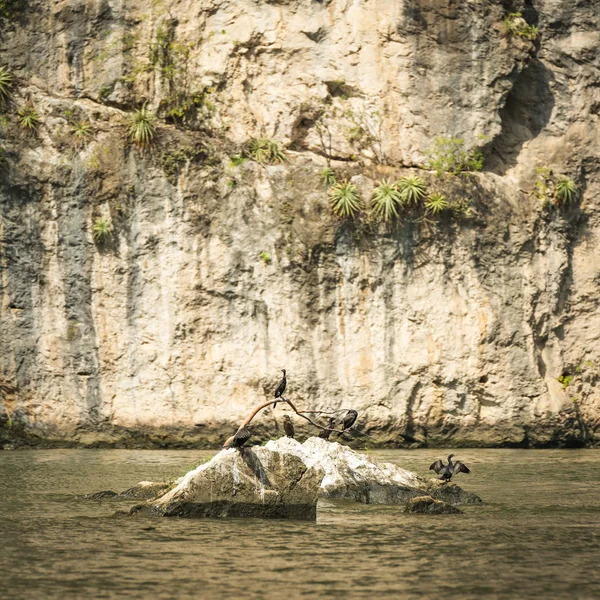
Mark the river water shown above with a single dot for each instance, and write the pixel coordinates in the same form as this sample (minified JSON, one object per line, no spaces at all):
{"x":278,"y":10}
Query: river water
{"x":536,"y":536}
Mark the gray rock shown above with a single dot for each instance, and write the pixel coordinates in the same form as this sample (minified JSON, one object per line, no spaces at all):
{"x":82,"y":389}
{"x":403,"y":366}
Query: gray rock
{"x":350,"y":475}
{"x":256,"y":482}
{"x":430,"y":506}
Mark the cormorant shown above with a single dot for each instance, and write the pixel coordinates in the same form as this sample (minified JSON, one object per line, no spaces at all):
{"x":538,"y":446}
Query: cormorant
{"x":325,"y":433}
{"x":348,"y":420}
{"x":288,"y":426}
{"x":280,"y":388}
{"x":450,"y":469}
{"x":239,"y":439}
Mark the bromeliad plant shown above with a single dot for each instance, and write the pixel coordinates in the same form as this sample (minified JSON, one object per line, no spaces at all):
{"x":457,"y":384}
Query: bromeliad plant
{"x":386,"y":200}
{"x":412,"y":189}
{"x":265,"y":151}
{"x":81,"y":131}
{"x":101,"y":229}
{"x":6,"y":80}
{"x":345,"y":200}
{"x":142,"y":128}
{"x":565,"y":191}
{"x":28,"y":117}
{"x":436,"y":203}
{"x":328,"y":176}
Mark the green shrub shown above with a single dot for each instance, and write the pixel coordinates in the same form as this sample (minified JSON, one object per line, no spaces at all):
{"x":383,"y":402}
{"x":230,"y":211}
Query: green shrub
{"x":436,"y":203}
{"x":265,"y":151}
{"x":236,"y":160}
{"x":328,"y":176}
{"x":101,"y":229}
{"x":28,"y":117}
{"x":142,"y":128}
{"x":386,"y":199}
{"x":412,"y":189}
{"x":516,"y":25}
{"x":448,"y":155}
{"x":344,"y":199}
{"x":462,"y":208}
{"x":565,"y":190}
{"x":6,"y":80}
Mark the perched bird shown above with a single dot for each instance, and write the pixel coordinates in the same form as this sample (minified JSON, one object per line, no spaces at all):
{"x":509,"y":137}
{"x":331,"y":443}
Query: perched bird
{"x":348,"y":420}
{"x":280,"y":388}
{"x":239,"y":439}
{"x":288,"y":426}
{"x":325,"y":433}
{"x":450,"y":469}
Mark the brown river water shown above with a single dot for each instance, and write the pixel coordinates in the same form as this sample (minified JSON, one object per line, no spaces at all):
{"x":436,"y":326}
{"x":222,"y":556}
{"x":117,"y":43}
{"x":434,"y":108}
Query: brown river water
{"x":536,"y":536}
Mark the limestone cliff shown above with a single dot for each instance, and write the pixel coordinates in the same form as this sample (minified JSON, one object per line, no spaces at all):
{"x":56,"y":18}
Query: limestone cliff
{"x":218,"y":272}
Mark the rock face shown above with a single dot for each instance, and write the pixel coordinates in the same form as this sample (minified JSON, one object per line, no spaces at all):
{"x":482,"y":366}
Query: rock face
{"x":217,"y":274}
{"x":257,"y":482}
{"x":350,"y":475}
{"x":430,"y":506}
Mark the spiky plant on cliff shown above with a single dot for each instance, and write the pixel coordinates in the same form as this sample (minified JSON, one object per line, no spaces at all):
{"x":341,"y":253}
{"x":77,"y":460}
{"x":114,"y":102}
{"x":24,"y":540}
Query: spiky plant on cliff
{"x":265,"y":151}
{"x":81,"y":131}
{"x":386,"y":200}
{"x":328,"y":176}
{"x":412,"y":189}
{"x":28,"y":117}
{"x":101,"y":229}
{"x":565,"y":190}
{"x":436,"y":203}
{"x":344,"y":198}
{"x":142,"y":128}
{"x":6,"y":80}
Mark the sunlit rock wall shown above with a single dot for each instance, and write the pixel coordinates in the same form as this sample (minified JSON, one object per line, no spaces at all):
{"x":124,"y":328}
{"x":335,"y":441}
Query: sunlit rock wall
{"x":216,"y":276}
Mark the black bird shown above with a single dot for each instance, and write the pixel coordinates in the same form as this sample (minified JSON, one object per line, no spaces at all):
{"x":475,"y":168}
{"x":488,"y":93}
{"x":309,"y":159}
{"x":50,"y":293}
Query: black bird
{"x":450,"y":469}
{"x":288,"y":426}
{"x":280,"y":388}
{"x":348,"y":420}
{"x":239,"y":439}
{"x":325,"y":433}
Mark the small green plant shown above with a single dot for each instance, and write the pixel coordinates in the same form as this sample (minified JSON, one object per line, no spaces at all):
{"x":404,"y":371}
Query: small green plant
{"x":101,"y":229}
{"x":516,"y":25}
{"x":81,"y":131}
{"x":142,"y":128}
{"x":328,"y":176}
{"x":236,"y":160}
{"x":412,"y":189}
{"x":265,"y":257}
{"x":265,"y":151}
{"x":232,"y":183}
{"x":28,"y":117}
{"x":386,"y":200}
{"x":565,"y":381}
{"x":436,"y":203}
{"x":6,"y":80}
{"x":344,"y":199}
{"x":565,"y":190}
{"x":462,"y":207}
{"x":448,"y":155}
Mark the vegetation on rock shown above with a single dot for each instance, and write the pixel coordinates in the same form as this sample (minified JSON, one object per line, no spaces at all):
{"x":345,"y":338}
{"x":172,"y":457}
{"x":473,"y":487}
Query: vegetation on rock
{"x":448,"y":155}
{"x":516,"y":25}
{"x":265,"y":151}
{"x":101,"y":229}
{"x":412,"y":189}
{"x":386,"y":200}
{"x":142,"y":128}
{"x":6,"y":80}
{"x":28,"y":117}
{"x":344,"y":198}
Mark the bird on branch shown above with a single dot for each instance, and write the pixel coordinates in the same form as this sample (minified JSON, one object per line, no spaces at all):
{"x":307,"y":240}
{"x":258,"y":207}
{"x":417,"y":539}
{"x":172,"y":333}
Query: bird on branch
{"x":348,"y":421}
{"x":325,"y":433}
{"x":280,"y":388}
{"x":239,"y":439}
